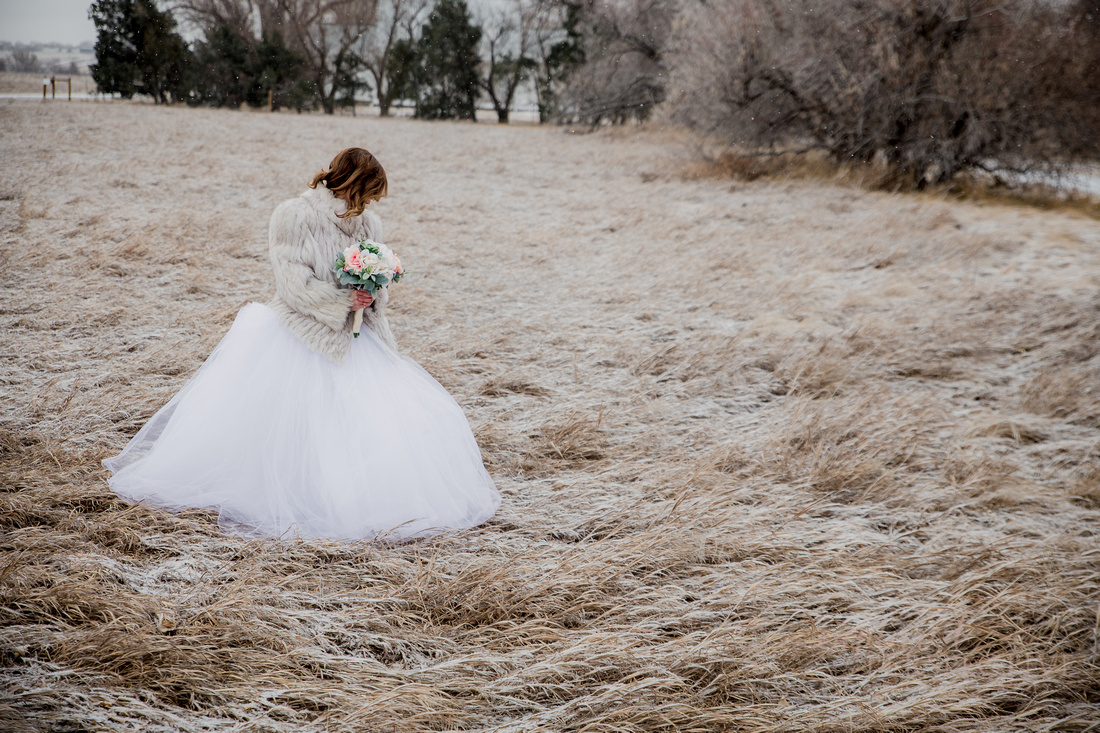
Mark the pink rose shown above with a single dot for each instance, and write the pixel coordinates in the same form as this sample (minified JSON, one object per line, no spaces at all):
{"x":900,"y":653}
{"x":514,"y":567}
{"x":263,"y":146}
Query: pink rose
{"x":353,"y":259}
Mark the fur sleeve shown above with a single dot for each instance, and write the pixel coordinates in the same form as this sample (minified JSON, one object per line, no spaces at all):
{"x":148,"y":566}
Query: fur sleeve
{"x":290,"y":240}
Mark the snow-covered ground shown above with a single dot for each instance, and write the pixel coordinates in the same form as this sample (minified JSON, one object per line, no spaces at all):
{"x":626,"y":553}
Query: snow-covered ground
{"x":1085,"y":180}
{"x":775,"y":456}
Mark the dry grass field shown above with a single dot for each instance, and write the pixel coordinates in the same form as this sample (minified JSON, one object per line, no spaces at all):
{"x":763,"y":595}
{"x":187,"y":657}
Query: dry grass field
{"x":775,"y":456}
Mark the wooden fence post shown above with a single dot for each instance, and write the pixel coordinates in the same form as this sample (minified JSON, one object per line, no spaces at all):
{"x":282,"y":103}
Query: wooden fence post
{"x":270,"y":100}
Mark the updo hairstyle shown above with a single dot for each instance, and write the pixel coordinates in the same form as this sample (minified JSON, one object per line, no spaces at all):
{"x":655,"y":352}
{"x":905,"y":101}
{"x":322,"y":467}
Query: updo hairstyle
{"x":355,"y":176}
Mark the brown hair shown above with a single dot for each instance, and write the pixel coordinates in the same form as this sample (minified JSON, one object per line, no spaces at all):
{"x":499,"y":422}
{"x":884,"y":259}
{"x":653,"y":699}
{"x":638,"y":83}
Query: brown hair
{"x":355,"y":176}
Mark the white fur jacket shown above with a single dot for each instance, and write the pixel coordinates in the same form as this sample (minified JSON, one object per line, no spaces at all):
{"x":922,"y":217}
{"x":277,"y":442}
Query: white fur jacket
{"x":304,"y":239}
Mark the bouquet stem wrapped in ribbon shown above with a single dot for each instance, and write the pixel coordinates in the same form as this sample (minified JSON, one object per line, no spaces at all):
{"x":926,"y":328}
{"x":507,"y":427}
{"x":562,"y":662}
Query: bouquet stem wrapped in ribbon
{"x":367,"y":265}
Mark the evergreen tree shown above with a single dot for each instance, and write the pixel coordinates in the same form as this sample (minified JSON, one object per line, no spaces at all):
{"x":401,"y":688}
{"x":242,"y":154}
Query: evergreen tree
{"x":232,"y":70}
{"x":138,"y":50}
{"x":346,"y":83}
{"x":447,"y":77}
{"x":279,"y":69}
{"x":401,"y":74}
{"x":116,"y":51}
{"x":221,"y":74}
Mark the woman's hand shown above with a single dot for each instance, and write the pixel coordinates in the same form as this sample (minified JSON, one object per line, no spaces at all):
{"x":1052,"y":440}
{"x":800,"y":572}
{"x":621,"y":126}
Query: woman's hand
{"x":360,"y":299}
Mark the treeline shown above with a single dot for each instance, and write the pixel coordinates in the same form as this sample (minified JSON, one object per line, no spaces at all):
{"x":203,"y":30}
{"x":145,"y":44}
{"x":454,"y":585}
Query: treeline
{"x":326,"y":54}
{"x":22,"y":61}
{"x":924,"y":88}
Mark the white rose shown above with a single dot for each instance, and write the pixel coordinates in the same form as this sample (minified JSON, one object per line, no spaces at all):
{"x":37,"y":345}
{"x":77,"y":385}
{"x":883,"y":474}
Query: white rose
{"x":384,"y":255}
{"x":371,"y":262}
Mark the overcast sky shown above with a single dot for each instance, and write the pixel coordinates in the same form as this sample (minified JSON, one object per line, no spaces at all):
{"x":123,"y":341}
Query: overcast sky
{"x":43,"y":21}
{"x":66,"y":21}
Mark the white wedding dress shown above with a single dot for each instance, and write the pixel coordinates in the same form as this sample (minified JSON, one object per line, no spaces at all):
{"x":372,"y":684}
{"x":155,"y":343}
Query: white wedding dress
{"x":283,"y":442}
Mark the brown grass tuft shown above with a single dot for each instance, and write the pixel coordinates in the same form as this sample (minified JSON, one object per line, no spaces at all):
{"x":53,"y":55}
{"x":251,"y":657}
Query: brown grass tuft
{"x":1021,"y":429}
{"x":575,"y":438}
{"x":498,"y":387}
{"x":1070,"y":391}
{"x":1086,"y":489}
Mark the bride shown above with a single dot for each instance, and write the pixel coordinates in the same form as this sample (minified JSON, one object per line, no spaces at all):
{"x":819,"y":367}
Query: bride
{"x":292,"y":427}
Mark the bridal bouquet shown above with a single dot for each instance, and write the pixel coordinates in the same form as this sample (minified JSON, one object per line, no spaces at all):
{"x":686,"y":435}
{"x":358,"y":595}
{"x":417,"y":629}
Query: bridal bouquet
{"x":367,"y":265}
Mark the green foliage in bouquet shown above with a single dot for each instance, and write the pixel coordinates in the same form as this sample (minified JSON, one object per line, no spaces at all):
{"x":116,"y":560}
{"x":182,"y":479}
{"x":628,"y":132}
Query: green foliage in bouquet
{"x":350,"y":273}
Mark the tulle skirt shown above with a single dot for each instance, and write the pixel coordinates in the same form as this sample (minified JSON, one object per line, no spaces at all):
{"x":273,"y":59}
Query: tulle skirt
{"x":283,"y":442}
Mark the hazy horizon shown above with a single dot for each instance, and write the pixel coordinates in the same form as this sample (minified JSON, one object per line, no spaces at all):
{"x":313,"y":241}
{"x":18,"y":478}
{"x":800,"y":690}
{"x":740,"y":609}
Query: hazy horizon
{"x":62,"y":22}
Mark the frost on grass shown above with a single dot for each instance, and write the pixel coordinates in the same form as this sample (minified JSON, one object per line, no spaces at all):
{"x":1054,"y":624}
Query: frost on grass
{"x":841,"y":475}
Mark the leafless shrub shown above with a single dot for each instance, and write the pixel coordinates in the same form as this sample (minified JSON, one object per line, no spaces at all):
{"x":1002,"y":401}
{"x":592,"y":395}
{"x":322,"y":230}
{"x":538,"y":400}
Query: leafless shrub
{"x":622,"y":77}
{"x":925,"y":89}
{"x":25,"y":61}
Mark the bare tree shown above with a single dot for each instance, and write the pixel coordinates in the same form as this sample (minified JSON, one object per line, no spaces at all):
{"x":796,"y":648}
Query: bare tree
{"x":331,"y":34}
{"x":510,"y":39}
{"x":548,"y":32}
{"x":243,"y":17}
{"x":396,"y":20}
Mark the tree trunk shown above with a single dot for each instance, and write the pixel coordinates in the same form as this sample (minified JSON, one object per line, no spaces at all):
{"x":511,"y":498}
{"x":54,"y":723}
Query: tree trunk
{"x":502,"y":115}
{"x":326,"y":100}
{"x":541,"y":101}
